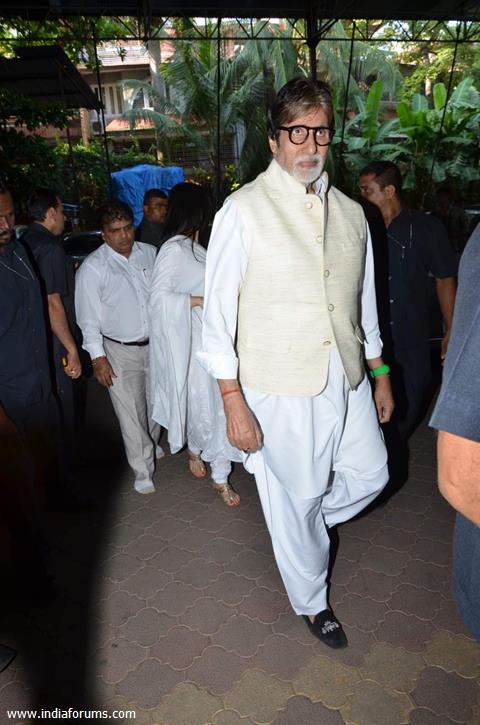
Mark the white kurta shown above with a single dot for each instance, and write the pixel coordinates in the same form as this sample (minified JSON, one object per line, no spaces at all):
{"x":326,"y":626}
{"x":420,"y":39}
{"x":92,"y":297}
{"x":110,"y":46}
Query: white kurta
{"x":186,"y":400}
{"x":323,"y":458}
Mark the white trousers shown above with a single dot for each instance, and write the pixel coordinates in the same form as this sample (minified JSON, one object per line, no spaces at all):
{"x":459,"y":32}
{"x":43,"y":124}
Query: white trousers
{"x":323,"y":460}
{"x":131,"y":404}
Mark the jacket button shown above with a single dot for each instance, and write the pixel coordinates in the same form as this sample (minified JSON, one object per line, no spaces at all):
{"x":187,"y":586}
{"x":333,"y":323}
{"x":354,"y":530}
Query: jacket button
{"x":308,"y":205}
{"x":319,"y":239}
{"x":327,"y":342}
{"x":326,"y":273}
{"x":331,"y":307}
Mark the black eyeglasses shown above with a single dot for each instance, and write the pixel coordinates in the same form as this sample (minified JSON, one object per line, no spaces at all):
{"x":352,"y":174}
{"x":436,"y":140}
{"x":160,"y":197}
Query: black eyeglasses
{"x":322,"y":135}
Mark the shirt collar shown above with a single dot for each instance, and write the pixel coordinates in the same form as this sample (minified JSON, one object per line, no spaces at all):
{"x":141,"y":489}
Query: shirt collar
{"x":115,"y":255}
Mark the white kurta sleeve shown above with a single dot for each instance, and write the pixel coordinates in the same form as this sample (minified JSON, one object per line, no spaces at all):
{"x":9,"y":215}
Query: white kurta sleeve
{"x":227,"y":259}
{"x":88,"y":307}
{"x":373,"y":342}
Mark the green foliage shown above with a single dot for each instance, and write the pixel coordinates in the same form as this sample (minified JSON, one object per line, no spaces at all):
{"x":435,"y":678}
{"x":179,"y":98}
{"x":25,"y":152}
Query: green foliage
{"x":29,"y":113}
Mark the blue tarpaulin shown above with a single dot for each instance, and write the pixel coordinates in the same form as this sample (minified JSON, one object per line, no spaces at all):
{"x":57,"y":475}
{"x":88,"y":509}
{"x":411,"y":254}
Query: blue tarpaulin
{"x":130,"y":185}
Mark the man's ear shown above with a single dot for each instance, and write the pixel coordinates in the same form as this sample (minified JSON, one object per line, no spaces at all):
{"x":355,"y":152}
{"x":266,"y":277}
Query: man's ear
{"x":272,"y":142}
{"x":389,"y":191}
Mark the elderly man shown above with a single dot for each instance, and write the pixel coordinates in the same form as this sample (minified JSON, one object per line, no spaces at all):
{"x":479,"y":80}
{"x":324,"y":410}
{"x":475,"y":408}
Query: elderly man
{"x":155,"y":207}
{"x":290,"y":277}
{"x":457,"y":416}
{"x":112,"y":290}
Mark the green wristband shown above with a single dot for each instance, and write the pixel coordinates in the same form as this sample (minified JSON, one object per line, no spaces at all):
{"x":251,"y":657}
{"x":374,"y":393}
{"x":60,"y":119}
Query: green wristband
{"x":381,"y":370}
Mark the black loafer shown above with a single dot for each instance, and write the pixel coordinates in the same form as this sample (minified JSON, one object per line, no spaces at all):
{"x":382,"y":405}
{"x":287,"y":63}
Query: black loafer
{"x":7,"y":654}
{"x":327,"y":629}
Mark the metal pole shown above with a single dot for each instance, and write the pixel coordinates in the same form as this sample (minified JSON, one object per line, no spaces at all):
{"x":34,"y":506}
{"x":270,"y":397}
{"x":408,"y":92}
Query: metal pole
{"x":102,"y":113}
{"x":312,"y":42}
{"x":347,"y":87}
{"x":218,"y":161}
{"x":444,"y":112}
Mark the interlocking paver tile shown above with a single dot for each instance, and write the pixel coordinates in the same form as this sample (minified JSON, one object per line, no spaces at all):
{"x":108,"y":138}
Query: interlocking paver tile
{"x":221,"y":550}
{"x":216,"y":669}
{"x":363,"y":528}
{"x":231,"y":717}
{"x":179,"y":647}
{"x":187,"y":705}
{"x":119,"y":607}
{"x":264,"y":605}
{"x":407,"y":520}
{"x":175,"y":598}
{"x":392,"y":667}
{"x":343,"y":571}
{"x":448,"y":618}
{"x":361,"y":612}
{"x":407,"y":501}
{"x":370,"y":704}
{"x":118,"y":658}
{"x":373,"y":584}
{"x":410,"y":599}
{"x":442,"y":511}
{"x":146,"y":582}
{"x":258,"y":696}
{"x":394,"y":538}
{"x":282,"y":657}
{"x":168,"y":527}
{"x":199,"y":572}
{"x":351,"y":547}
{"x":171,"y":558}
{"x":144,"y":627}
{"x":192,"y":538}
{"x":145,"y":547}
{"x":383,"y":560}
{"x":336,"y":594}
{"x":425,"y":574}
{"x":453,"y":653}
{"x":188,"y":510}
{"x":230,"y":588}
{"x":435,"y":552}
{"x":241,"y":531}
{"x":300,"y":711}
{"x":121,"y":566}
{"x":261,"y":542}
{"x":242,"y":635}
{"x":326,"y":681}
{"x":435,"y":530}
{"x":422,"y":716}
{"x":16,"y":696}
{"x":446,"y":693}
{"x":359,"y":644}
{"x":215,"y":520}
{"x":292,"y":626}
{"x":207,"y":615}
{"x":405,"y":630}
{"x":148,"y":683}
{"x":250,"y":564}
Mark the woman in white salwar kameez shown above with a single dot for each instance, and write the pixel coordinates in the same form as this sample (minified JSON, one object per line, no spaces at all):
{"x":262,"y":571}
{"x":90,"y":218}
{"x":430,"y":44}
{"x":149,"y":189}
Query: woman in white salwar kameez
{"x":186,"y":400}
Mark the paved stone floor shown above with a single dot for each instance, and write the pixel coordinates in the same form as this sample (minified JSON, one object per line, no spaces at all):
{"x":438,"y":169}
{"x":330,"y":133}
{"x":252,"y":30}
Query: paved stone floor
{"x":171,"y":606}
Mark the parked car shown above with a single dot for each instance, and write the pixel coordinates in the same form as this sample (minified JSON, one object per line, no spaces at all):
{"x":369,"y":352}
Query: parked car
{"x":80,"y":244}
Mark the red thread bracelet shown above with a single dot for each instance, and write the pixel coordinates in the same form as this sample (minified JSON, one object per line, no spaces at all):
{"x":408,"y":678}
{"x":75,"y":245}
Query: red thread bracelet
{"x":234,"y":390}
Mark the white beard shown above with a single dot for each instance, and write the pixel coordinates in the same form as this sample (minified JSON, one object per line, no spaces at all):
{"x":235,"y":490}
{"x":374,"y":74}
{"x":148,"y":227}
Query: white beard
{"x":308,"y":176}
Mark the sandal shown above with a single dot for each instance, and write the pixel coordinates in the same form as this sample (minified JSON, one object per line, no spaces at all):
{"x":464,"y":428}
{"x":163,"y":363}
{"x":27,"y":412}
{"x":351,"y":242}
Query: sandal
{"x":196,"y":465}
{"x":227,"y":494}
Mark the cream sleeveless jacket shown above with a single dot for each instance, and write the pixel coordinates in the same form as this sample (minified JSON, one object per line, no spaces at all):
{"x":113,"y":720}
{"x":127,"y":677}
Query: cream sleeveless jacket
{"x":302,"y":290}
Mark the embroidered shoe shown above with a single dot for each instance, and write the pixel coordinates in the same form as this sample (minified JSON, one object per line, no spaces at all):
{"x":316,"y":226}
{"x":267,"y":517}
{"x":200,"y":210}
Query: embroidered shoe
{"x":327,"y":629}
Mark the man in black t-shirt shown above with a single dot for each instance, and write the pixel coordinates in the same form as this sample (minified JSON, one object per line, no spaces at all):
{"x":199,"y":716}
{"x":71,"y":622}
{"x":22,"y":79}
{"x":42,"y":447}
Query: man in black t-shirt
{"x":417,"y":247}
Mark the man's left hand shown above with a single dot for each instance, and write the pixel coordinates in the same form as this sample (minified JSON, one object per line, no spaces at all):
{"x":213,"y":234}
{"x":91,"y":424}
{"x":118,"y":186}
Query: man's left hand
{"x":73,"y":368}
{"x":383,"y":398}
{"x":444,"y":346}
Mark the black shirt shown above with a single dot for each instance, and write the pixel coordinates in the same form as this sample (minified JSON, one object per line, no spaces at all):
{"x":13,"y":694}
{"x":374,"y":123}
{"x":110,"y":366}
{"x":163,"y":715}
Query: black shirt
{"x":417,"y":244}
{"x":149,"y":232}
{"x":24,"y":367}
{"x":53,"y":267}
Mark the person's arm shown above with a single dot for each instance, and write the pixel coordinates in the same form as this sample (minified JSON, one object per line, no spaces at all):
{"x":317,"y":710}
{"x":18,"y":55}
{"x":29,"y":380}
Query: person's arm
{"x":459,"y":474}
{"x":61,"y":330}
{"x":87,"y":306}
{"x":446,"y":291}
{"x":227,"y":260}
{"x":373,"y":343}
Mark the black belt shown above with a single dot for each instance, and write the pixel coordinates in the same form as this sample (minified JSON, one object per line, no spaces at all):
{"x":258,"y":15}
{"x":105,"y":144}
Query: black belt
{"x":141,"y":343}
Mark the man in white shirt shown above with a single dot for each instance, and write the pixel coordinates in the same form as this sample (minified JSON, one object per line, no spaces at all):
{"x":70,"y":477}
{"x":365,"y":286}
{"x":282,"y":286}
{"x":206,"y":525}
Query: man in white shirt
{"x":112,"y":288}
{"x":290,"y":278}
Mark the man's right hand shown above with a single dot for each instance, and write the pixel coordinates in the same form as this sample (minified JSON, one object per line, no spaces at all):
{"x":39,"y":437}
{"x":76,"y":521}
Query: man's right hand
{"x":243,"y":431}
{"x":103,"y":371}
